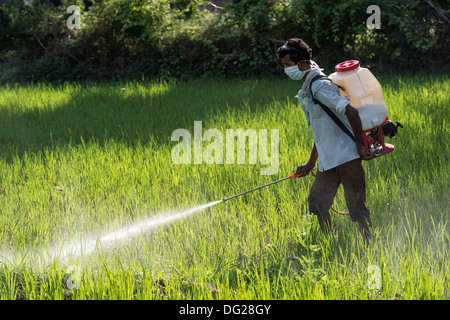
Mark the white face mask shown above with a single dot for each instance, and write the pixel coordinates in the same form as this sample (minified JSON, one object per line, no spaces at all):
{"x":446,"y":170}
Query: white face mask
{"x":295,"y":73}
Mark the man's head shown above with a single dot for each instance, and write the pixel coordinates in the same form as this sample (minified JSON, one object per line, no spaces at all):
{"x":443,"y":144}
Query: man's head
{"x":295,"y":52}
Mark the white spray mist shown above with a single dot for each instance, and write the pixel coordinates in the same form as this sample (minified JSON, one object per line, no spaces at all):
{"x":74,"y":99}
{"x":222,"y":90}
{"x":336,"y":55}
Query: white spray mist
{"x":78,"y":248}
{"x":82,"y":247}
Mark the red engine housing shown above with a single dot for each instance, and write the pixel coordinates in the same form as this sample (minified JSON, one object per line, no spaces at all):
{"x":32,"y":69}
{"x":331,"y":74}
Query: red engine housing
{"x":374,"y":142}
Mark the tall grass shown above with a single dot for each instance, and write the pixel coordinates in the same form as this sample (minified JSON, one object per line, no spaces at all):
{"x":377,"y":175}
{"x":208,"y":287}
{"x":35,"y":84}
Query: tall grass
{"x":77,"y":159}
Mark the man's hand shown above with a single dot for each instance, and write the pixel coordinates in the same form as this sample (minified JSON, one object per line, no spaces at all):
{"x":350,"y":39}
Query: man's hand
{"x":365,"y":154}
{"x":304,"y":169}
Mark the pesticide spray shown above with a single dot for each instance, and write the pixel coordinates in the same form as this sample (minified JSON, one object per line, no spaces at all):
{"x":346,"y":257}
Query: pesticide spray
{"x":79,"y":248}
{"x":86,"y":246}
{"x":83,"y":247}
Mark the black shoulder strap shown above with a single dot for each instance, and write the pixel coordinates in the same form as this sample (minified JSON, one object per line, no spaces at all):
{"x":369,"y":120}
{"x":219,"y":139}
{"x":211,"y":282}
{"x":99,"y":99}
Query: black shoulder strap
{"x":327,"y":110}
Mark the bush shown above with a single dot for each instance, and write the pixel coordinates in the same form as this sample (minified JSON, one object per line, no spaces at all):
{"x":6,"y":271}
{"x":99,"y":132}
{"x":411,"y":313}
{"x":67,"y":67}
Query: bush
{"x":179,"y":39}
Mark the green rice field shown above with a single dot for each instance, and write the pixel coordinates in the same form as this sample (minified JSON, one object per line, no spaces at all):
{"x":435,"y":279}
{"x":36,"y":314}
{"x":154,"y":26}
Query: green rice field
{"x":78,"y":160}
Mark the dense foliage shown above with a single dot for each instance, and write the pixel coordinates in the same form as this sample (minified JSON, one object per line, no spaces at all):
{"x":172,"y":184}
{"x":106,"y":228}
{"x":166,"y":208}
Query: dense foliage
{"x":181,"y":39}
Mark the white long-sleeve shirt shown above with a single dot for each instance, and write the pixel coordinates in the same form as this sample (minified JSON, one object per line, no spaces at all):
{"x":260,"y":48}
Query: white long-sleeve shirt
{"x":333,"y":145}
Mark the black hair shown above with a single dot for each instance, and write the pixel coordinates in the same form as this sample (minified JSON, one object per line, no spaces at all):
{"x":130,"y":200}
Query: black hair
{"x":297,"y":49}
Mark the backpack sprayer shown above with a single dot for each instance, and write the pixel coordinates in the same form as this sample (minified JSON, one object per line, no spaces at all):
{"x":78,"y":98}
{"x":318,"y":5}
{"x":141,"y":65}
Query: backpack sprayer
{"x":365,"y":94}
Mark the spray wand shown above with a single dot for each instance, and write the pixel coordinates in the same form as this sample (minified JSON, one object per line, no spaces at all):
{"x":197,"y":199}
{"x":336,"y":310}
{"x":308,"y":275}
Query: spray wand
{"x":292,"y":176}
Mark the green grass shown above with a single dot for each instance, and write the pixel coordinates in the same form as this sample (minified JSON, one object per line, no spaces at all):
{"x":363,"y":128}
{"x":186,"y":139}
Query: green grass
{"x":79,"y":158}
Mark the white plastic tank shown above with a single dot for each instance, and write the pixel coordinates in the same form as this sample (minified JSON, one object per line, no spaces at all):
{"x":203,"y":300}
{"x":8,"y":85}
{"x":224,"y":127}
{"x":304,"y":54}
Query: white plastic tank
{"x":364,"y":92}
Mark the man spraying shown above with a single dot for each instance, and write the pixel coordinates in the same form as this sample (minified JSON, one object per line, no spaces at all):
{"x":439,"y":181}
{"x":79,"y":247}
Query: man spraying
{"x":339,"y":148}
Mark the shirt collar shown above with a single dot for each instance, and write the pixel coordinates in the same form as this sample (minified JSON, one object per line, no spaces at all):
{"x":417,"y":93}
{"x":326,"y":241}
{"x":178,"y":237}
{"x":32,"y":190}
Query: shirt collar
{"x":311,"y":74}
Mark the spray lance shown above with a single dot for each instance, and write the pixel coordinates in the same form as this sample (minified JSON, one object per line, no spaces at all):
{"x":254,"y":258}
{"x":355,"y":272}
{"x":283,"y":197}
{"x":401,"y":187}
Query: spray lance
{"x":292,"y":176}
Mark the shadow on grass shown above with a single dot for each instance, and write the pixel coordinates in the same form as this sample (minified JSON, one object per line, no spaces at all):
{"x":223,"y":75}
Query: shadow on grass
{"x":35,"y":118}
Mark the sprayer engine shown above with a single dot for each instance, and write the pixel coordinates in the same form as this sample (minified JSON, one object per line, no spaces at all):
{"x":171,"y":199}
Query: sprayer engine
{"x":374,"y":138}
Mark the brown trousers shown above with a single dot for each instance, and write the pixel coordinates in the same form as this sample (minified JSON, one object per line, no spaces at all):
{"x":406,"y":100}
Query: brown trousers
{"x":325,"y":186}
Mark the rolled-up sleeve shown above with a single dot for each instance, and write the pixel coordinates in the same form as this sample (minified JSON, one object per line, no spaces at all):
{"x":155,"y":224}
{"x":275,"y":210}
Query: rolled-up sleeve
{"x":329,"y":95}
